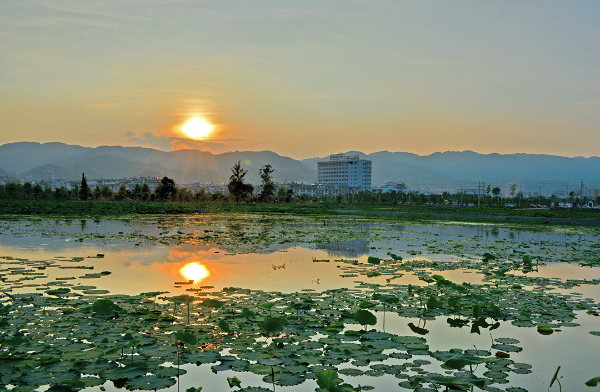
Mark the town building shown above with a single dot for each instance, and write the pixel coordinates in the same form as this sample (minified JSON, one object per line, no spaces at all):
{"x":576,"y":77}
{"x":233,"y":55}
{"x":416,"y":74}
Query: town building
{"x":390,"y":187}
{"x":343,"y":171}
{"x":593,"y":192}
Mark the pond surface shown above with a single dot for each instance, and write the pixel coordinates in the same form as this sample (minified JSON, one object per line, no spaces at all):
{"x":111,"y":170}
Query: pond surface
{"x":438,"y":292}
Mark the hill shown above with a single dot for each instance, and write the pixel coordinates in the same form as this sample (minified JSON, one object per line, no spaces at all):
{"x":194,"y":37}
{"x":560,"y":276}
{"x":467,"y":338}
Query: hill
{"x":441,"y":170}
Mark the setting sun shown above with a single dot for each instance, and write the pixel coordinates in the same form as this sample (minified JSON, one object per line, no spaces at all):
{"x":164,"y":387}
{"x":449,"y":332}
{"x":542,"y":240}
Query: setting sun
{"x":194,"y":271}
{"x":197,"y":128}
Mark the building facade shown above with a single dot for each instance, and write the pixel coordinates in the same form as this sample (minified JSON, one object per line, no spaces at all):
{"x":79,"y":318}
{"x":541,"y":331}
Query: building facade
{"x":345,"y":171}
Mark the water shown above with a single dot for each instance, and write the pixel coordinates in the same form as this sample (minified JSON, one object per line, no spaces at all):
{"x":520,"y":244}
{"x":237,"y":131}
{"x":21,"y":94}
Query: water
{"x":301,"y":255}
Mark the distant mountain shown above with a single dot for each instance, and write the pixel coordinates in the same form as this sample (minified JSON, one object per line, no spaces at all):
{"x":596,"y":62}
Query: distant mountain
{"x":447,"y":170}
{"x":34,"y":160}
{"x":465,"y":169}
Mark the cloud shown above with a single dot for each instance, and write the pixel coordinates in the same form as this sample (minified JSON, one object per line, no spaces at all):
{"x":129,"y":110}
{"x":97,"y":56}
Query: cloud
{"x":129,"y":134}
{"x":172,"y":143}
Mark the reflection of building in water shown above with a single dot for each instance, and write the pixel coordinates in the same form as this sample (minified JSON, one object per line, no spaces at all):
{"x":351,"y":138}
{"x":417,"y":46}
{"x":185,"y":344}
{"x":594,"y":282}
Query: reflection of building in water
{"x":351,"y":248}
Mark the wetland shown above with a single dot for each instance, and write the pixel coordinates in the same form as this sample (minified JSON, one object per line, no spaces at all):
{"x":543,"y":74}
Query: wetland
{"x":263,"y":302}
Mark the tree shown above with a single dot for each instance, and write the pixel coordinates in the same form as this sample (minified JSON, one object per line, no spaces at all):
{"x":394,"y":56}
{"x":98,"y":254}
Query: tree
{"x":106,"y":193}
{"x":281,"y":194}
{"x":37,"y":191}
{"x":237,"y":187}
{"x":27,"y":191}
{"x":137,"y":191}
{"x":166,"y":190}
{"x":268,"y":186}
{"x":496,"y":193}
{"x":146,"y":192}
{"x":122,"y":193}
{"x":84,"y":191}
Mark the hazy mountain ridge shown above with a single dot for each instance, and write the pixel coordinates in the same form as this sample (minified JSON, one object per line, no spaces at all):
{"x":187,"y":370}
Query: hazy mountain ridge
{"x":450,"y":169}
{"x":29,"y":160}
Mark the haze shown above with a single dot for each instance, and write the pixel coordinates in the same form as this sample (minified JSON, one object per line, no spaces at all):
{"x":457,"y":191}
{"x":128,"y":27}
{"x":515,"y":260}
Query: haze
{"x":306,"y":78}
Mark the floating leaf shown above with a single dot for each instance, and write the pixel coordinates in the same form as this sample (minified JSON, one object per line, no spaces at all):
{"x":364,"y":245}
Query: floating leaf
{"x":150,"y":382}
{"x":419,"y":330}
{"x":326,"y":378}
{"x":544,"y":330}
{"x":593,"y":382}
{"x":364,"y":317}
{"x":233,"y":382}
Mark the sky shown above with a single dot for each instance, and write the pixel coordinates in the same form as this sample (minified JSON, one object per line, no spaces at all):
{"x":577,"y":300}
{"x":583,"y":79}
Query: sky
{"x":304,"y":78}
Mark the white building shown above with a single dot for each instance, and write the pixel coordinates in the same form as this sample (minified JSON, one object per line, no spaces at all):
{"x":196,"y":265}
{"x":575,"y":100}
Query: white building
{"x":390,"y":186}
{"x":345,"y":171}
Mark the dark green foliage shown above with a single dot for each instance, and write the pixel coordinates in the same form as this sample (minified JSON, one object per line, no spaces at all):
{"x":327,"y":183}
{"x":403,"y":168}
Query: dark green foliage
{"x":418,"y":330}
{"x":234,"y":382}
{"x":326,"y":378}
{"x":84,"y":192}
{"x":106,"y":307}
{"x":594,"y":382}
{"x":364,"y":317}
{"x":237,"y":186}
{"x":166,"y":190}
{"x":267,"y":185}
{"x":186,"y":337}
{"x":224,"y":325}
{"x":212,"y":303}
{"x":59,"y":291}
{"x":273,"y":324}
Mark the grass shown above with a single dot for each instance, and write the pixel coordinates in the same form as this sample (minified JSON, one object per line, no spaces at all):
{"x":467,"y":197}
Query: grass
{"x":99,"y":209}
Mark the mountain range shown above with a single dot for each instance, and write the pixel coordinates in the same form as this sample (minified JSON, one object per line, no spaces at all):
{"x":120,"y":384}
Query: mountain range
{"x":449,"y":170}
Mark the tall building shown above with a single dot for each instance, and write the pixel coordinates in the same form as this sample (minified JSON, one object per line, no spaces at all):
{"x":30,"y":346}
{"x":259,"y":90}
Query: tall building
{"x":345,"y":171}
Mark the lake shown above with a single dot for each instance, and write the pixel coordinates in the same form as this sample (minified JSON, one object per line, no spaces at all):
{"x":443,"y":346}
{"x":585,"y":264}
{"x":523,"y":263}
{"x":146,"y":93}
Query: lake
{"x":441,"y":294}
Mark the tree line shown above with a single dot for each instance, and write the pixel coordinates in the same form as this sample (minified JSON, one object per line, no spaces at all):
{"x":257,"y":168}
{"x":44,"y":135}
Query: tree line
{"x":242,"y":192}
{"x":167,"y":190}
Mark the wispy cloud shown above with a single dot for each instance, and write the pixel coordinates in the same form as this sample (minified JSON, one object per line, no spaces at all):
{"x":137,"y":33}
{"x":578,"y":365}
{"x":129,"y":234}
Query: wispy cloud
{"x":172,"y":143}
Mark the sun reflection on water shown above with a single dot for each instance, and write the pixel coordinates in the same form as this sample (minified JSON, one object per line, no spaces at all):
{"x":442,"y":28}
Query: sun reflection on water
{"x":194,"y":271}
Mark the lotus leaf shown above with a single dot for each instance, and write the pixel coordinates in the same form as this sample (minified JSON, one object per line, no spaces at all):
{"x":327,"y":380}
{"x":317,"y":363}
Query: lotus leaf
{"x":544,"y":330}
{"x":233,"y":382}
{"x":150,"y":382}
{"x":364,"y":317}
{"x":593,"y":382}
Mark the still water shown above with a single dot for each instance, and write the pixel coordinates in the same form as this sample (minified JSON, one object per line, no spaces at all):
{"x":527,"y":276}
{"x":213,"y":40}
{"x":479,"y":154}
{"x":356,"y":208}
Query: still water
{"x":309,"y":256}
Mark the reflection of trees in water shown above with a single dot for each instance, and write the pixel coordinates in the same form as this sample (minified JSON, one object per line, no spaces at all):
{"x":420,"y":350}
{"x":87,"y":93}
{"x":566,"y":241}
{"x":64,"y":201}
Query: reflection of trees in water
{"x":351,"y":248}
{"x":83,"y":222}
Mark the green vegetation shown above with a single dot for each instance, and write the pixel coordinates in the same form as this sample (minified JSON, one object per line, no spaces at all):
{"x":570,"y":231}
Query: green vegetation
{"x":71,"y":336}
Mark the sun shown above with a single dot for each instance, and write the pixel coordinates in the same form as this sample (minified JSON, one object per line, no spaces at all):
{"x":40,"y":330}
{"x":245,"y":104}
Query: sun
{"x":197,"y":128}
{"x":194,"y":271}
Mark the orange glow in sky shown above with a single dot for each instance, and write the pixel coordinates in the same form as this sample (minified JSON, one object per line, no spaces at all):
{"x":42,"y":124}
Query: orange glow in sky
{"x":197,"y":128}
{"x":194,"y":271}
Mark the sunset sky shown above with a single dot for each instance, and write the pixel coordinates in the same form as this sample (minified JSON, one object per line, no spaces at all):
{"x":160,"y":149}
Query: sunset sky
{"x":304,"y":78}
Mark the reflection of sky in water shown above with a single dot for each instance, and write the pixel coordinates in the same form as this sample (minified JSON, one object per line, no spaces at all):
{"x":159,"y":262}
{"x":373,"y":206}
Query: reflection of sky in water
{"x":290,"y":267}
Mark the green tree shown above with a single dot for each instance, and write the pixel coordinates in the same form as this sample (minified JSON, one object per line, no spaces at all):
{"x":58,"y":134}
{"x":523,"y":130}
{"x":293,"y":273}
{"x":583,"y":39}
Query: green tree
{"x":137,"y":191}
{"x":166,"y":190}
{"x":237,"y":187}
{"x":97,"y":194}
{"x":14,"y":190}
{"x":268,"y":186}
{"x":84,"y":192}
{"x":281,"y":194}
{"x":37,"y":191}
{"x":27,"y":191}
{"x":496,"y":192}
{"x":106,"y":193}
{"x":146,"y":192}
{"x":122,"y":193}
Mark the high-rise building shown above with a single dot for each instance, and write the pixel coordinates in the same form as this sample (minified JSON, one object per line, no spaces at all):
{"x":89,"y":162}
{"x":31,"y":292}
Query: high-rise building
{"x":345,"y":171}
